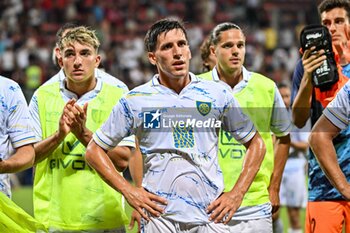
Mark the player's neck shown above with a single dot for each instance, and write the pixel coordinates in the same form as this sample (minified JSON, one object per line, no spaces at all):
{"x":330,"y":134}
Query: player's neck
{"x":176,"y":84}
{"x":80,"y":88}
{"x":231,"y":78}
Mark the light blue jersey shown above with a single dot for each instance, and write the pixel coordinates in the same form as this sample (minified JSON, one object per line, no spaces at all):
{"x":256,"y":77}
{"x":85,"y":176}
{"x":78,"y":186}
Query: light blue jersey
{"x":338,"y":111}
{"x":15,"y":128}
{"x":178,"y":135}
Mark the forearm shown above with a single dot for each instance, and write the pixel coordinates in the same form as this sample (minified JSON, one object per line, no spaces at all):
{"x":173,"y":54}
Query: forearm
{"x":254,"y":156}
{"x":84,"y":136}
{"x":302,"y":103}
{"x":136,"y":167}
{"x":45,"y":147}
{"x":120,"y":156}
{"x":21,"y":160}
{"x":99,"y":160}
{"x":323,"y":148}
{"x":280,"y":159}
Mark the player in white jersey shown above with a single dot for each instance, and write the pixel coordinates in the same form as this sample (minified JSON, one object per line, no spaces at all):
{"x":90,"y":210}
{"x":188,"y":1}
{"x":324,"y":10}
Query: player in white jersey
{"x":176,"y":118}
{"x":16,"y":154}
{"x":335,"y":117}
{"x":16,"y":135}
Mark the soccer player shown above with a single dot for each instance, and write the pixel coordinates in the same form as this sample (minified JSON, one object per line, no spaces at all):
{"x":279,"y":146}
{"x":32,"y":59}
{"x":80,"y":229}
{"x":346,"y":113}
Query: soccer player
{"x":16,"y":134}
{"x":322,"y":214}
{"x":68,"y":194}
{"x":16,"y":154}
{"x":293,"y":193}
{"x":261,"y":101}
{"x":176,"y":117}
{"x":98,"y":72}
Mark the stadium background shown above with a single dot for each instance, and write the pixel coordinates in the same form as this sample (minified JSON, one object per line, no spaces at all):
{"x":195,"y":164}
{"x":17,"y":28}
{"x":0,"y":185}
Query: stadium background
{"x":28,"y":28}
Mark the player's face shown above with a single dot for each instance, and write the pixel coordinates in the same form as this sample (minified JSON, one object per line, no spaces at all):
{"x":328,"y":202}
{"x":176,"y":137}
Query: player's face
{"x":230,"y":50}
{"x":172,"y":55}
{"x":336,"y":20}
{"x":285,"y":93}
{"x":79,"y":62}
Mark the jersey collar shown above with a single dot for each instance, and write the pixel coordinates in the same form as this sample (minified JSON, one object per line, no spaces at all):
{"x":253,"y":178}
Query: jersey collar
{"x":155,"y":79}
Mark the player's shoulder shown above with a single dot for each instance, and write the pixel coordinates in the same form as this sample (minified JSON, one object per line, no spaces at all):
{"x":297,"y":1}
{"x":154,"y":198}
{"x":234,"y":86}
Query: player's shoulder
{"x":110,"y":79}
{"x":145,"y":89}
{"x":5,"y":83}
{"x":8,"y":87}
{"x":212,"y":86}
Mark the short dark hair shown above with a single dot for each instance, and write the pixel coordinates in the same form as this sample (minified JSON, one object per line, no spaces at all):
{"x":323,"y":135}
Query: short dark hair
{"x":328,"y":5}
{"x":215,"y":35}
{"x":163,"y":25}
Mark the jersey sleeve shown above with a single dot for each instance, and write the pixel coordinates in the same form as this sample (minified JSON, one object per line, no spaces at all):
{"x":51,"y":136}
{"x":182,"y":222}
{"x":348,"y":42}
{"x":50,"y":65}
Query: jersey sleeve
{"x":128,"y":141}
{"x":281,"y":123}
{"x":118,"y":126}
{"x":338,"y":110}
{"x":18,"y":124}
{"x":236,"y":122}
{"x":34,"y":117}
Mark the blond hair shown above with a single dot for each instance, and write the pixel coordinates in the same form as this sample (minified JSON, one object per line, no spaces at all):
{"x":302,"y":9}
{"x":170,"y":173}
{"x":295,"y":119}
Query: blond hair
{"x":82,"y":35}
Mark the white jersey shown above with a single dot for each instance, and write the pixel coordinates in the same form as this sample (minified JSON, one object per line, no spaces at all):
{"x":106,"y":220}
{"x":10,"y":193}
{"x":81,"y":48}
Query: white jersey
{"x":338,"y":111}
{"x":15,"y":128}
{"x":178,"y":135}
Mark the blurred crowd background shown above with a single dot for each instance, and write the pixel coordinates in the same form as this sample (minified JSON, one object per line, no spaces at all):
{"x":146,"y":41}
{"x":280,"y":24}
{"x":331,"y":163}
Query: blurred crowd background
{"x":28,"y":29}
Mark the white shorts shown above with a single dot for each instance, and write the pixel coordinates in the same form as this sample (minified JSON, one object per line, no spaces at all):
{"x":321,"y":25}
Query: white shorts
{"x":162,"y":225}
{"x":293,"y":191}
{"x":261,"y":225}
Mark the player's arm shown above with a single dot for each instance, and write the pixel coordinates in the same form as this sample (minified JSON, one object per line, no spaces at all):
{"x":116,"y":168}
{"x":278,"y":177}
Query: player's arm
{"x":280,"y":126}
{"x":119,"y":125}
{"x":281,"y":149}
{"x":120,"y":156}
{"x":136,"y":172}
{"x":136,"y":165}
{"x":243,"y":130}
{"x":229,"y":202}
{"x":138,"y":198}
{"x":22,"y":159}
{"x":45,"y":147}
{"x":302,"y":102}
{"x":321,"y":144}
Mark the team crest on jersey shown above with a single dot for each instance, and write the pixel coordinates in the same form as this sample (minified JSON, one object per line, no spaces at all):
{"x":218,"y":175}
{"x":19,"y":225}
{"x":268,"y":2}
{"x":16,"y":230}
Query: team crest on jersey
{"x":203,"y":107}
